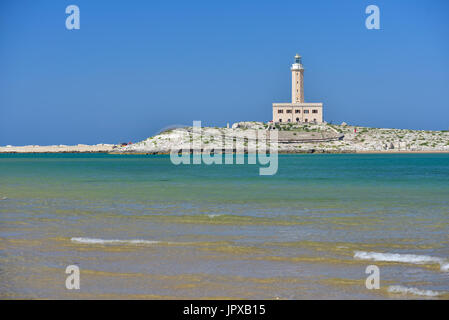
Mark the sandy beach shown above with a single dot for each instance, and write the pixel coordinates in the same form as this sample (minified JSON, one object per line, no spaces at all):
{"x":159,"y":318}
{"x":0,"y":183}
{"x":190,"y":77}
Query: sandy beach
{"x":79,"y":148}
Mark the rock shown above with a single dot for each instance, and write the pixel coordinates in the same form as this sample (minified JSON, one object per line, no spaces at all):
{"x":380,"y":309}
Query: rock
{"x":344,"y":124}
{"x":371,"y":139}
{"x":249,"y":125}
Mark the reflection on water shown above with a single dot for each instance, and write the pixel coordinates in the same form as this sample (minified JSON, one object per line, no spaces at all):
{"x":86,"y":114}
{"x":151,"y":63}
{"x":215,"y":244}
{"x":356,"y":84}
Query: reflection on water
{"x":140,"y":227}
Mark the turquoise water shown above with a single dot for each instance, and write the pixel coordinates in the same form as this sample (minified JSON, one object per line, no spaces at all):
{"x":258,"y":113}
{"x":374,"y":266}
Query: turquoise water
{"x":221,"y":231}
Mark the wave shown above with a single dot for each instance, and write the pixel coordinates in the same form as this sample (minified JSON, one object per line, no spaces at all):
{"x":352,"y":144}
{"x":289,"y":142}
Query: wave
{"x":404,"y":258}
{"x":113,"y":241}
{"x":214,"y":215}
{"x":415,"y":291}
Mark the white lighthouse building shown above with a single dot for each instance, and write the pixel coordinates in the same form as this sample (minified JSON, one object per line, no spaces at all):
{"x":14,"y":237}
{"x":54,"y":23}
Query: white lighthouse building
{"x":297,"y":111}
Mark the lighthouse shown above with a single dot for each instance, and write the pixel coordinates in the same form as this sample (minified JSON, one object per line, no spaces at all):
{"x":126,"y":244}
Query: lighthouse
{"x":298,"y":111}
{"x":297,"y":80}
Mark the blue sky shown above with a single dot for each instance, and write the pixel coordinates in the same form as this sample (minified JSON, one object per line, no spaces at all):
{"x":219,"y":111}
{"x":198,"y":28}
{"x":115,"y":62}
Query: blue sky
{"x":135,"y":67}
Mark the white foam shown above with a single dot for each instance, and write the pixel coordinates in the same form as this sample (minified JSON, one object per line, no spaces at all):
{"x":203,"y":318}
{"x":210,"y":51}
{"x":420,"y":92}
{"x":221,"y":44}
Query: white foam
{"x":213,"y":215}
{"x":405,"y":258}
{"x":415,"y":291}
{"x":444,"y":266}
{"x":113,"y":241}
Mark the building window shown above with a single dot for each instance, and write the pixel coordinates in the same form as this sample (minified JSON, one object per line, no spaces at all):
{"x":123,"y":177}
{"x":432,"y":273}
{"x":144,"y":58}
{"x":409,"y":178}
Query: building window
{"x":289,"y":111}
{"x":280,"y":120}
{"x":306,"y":111}
{"x":288,"y":120}
{"x":280,"y":111}
{"x":297,"y":111}
{"x":314,"y":111}
{"x":297,"y":119}
{"x":306,"y":120}
{"x":314,"y":120}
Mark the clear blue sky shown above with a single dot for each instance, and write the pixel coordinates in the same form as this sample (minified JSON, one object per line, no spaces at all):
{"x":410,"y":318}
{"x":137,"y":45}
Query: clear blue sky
{"x":135,"y":67}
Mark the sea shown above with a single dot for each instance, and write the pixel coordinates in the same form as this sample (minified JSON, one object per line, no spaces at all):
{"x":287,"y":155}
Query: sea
{"x":325,"y":226}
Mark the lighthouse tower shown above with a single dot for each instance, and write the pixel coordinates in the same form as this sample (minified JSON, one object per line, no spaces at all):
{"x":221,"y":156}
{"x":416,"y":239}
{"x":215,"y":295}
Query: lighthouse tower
{"x":297,"y":80}
{"x":298,"y":111}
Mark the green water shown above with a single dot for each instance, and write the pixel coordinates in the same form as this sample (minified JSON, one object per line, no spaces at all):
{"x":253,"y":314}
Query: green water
{"x":223,"y":231}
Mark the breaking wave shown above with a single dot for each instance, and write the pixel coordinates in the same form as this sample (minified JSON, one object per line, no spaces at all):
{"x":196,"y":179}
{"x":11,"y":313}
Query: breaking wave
{"x":415,"y":291}
{"x":113,"y":241}
{"x":404,"y":258}
{"x":214,"y":215}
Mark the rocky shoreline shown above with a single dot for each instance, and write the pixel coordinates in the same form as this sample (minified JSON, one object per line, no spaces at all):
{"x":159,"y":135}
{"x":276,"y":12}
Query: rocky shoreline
{"x":245,"y":137}
{"x":312,"y":151}
{"x":295,"y":138}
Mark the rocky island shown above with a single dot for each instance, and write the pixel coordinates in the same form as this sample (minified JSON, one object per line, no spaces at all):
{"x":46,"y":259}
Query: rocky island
{"x":291,"y":138}
{"x":300,"y":138}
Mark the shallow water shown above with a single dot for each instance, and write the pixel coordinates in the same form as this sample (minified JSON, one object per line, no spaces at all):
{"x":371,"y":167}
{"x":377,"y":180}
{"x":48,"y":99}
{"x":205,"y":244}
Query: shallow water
{"x":140,"y":227}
